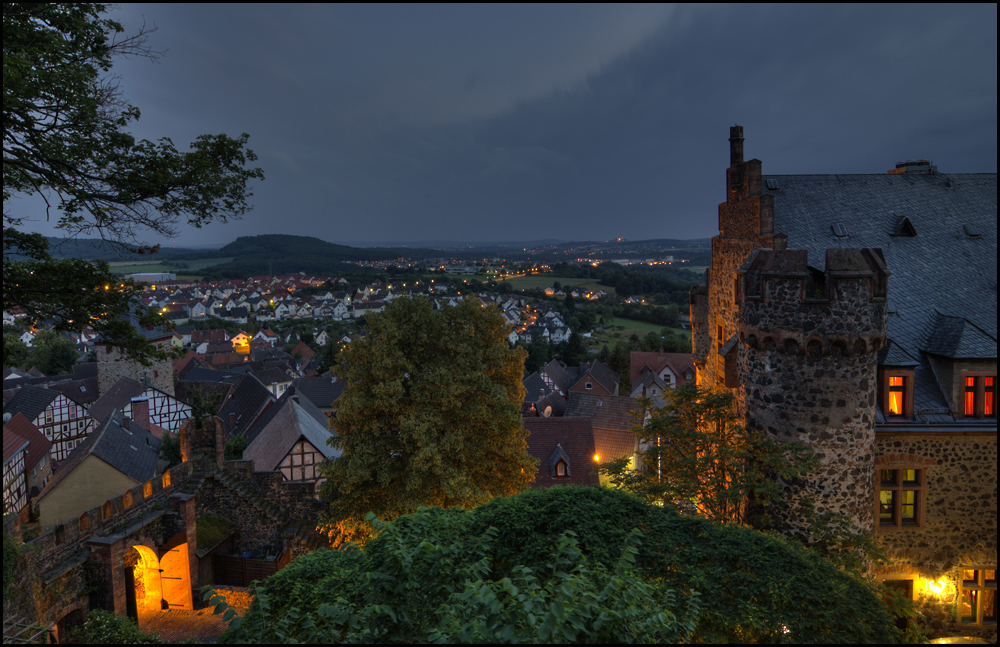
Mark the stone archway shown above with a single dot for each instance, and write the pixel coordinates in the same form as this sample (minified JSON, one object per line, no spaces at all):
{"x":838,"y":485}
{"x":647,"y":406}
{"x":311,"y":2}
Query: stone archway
{"x":143,"y":576}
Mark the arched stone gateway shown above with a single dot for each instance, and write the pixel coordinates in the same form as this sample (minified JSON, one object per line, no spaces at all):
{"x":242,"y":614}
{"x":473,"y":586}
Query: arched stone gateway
{"x":144,"y":590}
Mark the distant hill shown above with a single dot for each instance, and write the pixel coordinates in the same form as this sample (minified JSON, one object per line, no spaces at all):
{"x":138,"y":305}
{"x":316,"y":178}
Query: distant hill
{"x":286,"y":254}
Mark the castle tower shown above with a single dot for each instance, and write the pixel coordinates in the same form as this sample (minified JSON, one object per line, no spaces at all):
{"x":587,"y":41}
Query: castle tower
{"x":806,"y":368}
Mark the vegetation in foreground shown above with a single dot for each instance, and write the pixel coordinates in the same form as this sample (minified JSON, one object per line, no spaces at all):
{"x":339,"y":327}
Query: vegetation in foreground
{"x":564,"y":565}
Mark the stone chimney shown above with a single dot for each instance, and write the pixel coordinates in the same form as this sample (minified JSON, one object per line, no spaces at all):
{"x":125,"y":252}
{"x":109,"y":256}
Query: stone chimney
{"x":735,"y":146}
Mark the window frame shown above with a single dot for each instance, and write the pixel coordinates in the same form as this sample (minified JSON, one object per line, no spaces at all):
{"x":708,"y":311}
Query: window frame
{"x":907,"y":390}
{"x":979,"y":378}
{"x":899,"y":486}
{"x":980,"y":585}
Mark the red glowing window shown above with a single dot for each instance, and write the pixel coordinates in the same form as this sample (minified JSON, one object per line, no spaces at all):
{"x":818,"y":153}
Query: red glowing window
{"x":990,"y":401}
{"x":970,"y":396}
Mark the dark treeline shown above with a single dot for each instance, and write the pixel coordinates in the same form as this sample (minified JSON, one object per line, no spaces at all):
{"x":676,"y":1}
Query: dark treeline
{"x":670,"y":284}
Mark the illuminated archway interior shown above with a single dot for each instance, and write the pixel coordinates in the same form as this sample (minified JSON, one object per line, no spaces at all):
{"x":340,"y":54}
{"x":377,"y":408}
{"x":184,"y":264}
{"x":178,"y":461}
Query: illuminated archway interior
{"x":146,"y":567}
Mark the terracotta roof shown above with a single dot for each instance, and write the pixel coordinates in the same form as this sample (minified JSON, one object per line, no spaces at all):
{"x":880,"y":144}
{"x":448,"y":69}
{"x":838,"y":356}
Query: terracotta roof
{"x":612,"y":418}
{"x":678,"y":363}
{"x":12,"y":444}
{"x":39,"y":445}
{"x":572,"y":438}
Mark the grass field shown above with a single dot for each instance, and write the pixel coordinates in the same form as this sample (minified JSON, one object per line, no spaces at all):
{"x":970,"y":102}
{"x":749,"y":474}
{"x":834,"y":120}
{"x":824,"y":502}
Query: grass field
{"x":141,"y":267}
{"x":621,"y":329}
{"x":546,"y":280}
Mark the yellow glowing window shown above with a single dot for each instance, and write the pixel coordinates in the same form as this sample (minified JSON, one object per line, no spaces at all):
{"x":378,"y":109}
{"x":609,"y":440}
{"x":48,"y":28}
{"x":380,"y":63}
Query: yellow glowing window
{"x":978,"y":600}
{"x":166,"y":479}
{"x":147,"y":489}
{"x":900,"y":493}
{"x":970,"y":396}
{"x":896,"y":404}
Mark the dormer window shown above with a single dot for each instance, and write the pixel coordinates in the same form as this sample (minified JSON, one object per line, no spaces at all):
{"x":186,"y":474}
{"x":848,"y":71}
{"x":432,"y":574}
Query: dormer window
{"x":979,"y":395}
{"x":896,"y":387}
{"x":561,"y":468}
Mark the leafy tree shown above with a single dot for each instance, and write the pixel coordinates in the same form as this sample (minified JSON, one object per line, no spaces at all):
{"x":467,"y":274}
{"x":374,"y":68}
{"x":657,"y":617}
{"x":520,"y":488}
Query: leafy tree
{"x":573,"y":351}
{"x":65,"y":138}
{"x":52,"y":354}
{"x":170,"y":449}
{"x":695,"y":454}
{"x":430,"y":415}
{"x":235,"y":447}
{"x":15,"y":351}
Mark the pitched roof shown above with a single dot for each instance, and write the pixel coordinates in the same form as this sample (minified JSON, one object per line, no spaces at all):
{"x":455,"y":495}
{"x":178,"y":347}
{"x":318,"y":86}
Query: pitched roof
{"x":612,"y":417}
{"x":569,"y":437}
{"x":246,"y":403}
{"x":31,"y":401}
{"x":600,"y":373}
{"x":120,"y":443}
{"x":321,"y":391}
{"x":116,"y":398}
{"x":678,"y":363}
{"x":536,"y":388}
{"x":38,"y":446}
{"x":12,"y":444}
{"x":283,"y":428}
{"x":942,"y":269}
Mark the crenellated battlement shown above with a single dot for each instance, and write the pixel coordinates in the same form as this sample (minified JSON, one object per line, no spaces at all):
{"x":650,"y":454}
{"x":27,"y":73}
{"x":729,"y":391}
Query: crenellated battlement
{"x":790,"y":307}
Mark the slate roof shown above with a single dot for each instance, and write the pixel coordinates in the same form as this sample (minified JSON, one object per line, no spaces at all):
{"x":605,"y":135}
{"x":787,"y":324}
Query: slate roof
{"x":31,"y":401}
{"x":276,"y":436}
{"x":575,"y":437}
{"x":246,"y":403}
{"x":116,"y":398}
{"x":535,"y":388}
{"x":600,"y":373}
{"x":120,"y":443}
{"x":944,"y":281}
{"x":80,"y":391}
{"x":321,"y":391}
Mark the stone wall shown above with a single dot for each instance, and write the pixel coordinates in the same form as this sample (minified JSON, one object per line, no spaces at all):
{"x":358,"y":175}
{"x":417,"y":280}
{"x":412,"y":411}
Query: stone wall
{"x":959,"y":523}
{"x":112,"y":365}
{"x":960,"y":514}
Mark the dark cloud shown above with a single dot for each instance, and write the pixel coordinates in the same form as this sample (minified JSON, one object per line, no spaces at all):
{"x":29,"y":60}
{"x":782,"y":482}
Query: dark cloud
{"x":479,"y":123}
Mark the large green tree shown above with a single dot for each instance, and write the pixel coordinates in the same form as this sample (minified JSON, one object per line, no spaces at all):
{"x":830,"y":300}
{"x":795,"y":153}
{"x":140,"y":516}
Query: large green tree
{"x":66,"y":142}
{"x":430,"y":415}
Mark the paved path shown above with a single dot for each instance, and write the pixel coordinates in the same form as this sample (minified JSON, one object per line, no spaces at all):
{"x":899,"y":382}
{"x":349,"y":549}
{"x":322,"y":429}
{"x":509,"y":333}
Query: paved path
{"x":177,"y":625}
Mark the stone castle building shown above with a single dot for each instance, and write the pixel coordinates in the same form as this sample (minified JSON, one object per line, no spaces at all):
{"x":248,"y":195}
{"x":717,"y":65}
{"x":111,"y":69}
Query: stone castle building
{"x":857,"y":314}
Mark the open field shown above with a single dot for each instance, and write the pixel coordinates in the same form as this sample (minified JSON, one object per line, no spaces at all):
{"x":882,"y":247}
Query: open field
{"x":621,"y":329}
{"x":139,"y":267}
{"x":543,"y":281}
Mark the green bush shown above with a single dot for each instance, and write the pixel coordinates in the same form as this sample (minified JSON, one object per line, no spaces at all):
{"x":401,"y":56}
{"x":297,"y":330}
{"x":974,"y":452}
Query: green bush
{"x":105,"y":628}
{"x":754,"y":587}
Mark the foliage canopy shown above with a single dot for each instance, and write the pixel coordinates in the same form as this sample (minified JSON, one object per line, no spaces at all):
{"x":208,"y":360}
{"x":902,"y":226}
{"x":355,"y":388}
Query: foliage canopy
{"x":493,"y":574}
{"x":430,"y":415}
{"x":65,"y":140}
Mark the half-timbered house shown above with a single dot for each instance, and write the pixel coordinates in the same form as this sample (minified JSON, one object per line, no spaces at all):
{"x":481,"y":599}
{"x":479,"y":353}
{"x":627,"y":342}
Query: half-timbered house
{"x":142,"y":402}
{"x":63,"y":422}
{"x":15,"y":485}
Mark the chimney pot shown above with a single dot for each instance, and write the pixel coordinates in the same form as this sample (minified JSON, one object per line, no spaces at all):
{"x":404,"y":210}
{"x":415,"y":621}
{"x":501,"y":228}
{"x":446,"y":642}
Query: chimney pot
{"x":735,"y":145}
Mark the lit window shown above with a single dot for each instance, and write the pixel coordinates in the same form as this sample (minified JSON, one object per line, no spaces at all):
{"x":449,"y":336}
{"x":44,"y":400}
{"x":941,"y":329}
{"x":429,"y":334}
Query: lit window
{"x":970,"y":396}
{"x":166,"y":479}
{"x":897,"y":395}
{"x":980,"y":396}
{"x":978,"y":600}
{"x":561,"y":469}
{"x":147,"y":489}
{"x":900,"y":497}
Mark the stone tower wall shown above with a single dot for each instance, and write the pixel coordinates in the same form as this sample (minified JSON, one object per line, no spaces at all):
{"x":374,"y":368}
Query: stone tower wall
{"x":807,"y":370}
{"x":746,"y":223}
{"x":112,"y":365}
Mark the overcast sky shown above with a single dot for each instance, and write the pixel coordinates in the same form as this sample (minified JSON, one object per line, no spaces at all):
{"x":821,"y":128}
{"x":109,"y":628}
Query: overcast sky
{"x":489,"y":123}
